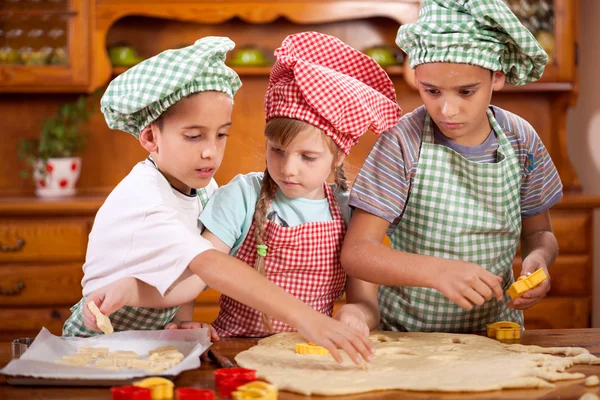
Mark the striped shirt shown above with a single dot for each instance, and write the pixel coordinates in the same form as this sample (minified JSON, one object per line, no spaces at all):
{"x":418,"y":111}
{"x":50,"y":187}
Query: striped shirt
{"x":383,"y":184}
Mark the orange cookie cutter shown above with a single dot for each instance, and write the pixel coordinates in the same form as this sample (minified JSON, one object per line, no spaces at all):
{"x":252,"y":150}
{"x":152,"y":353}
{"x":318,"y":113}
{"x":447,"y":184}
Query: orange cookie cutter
{"x":525,"y":283}
{"x":311,"y":348}
{"x":504,"y":330}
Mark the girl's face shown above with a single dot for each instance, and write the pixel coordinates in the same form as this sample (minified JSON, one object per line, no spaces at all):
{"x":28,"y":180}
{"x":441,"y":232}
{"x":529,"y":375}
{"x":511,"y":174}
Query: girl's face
{"x":301,"y":168}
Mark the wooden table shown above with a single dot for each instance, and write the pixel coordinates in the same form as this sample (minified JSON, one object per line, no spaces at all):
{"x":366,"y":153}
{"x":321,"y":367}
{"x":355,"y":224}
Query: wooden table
{"x":202,"y":377}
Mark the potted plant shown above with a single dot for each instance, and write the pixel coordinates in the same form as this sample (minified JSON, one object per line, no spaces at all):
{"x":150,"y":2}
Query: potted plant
{"x":52,"y":156}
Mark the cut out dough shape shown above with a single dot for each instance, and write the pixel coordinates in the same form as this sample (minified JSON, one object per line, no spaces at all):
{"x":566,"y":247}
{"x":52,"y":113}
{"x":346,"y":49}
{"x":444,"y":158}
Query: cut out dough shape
{"x":162,"y":359}
{"x":592,"y":380}
{"x":95,"y":352}
{"x":102,"y":320}
{"x":414,"y":361}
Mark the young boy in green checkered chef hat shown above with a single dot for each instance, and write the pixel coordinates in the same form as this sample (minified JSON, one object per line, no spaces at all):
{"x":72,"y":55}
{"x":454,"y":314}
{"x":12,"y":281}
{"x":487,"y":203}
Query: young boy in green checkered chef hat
{"x":146,"y":260}
{"x":458,"y":183}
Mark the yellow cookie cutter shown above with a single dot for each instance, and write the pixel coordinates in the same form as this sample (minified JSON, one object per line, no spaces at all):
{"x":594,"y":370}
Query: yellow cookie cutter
{"x":256,"y":390}
{"x":311,"y":348}
{"x":162,"y":389}
{"x":525,"y":283}
{"x":504,"y":330}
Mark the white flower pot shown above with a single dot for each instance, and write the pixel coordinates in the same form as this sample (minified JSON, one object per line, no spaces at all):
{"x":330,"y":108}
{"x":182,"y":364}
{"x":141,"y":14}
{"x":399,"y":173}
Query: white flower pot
{"x":60,"y":178}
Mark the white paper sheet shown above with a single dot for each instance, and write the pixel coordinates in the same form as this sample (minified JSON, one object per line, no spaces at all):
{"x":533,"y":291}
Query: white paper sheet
{"x":38,"y":360}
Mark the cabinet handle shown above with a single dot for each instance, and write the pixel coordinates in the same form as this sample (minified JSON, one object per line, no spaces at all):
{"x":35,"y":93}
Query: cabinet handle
{"x":13,"y":249}
{"x":13,"y":292}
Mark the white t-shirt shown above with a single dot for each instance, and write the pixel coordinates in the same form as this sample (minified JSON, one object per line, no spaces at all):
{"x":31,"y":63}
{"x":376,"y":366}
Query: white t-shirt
{"x":145,"y":229}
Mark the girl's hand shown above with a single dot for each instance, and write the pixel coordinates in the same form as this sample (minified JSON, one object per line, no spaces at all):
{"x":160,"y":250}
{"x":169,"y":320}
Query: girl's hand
{"x":212,"y":333}
{"x":532,"y":263}
{"x":468,"y":284}
{"x":332,"y":335}
{"x":354,"y":317}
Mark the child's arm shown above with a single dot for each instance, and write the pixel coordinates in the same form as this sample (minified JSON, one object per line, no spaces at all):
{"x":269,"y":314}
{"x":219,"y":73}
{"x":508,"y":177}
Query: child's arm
{"x":185,"y":312}
{"x":233,"y":278}
{"x":365,"y":257}
{"x":216,"y":242}
{"x":184,"y":320}
{"x":539,"y":249}
{"x":361,"y":310}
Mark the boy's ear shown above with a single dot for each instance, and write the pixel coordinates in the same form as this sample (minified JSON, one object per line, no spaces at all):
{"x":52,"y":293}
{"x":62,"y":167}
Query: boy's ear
{"x":148,"y":138}
{"x":498,"y":79}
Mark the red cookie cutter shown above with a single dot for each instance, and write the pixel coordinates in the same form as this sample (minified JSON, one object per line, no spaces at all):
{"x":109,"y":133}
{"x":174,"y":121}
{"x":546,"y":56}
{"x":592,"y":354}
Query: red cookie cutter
{"x":194,"y":394}
{"x":230,"y":373}
{"x":131,"y":393}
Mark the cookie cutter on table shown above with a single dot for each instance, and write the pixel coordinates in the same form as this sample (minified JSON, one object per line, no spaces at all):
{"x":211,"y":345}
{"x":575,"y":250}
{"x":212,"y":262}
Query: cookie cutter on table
{"x":194,"y":394}
{"x":504,"y":330}
{"x":19,"y":346}
{"x":161,"y":388}
{"x":311,"y":348}
{"x":256,"y":390}
{"x":131,"y":393}
{"x":525,"y":283}
{"x":227,"y":380}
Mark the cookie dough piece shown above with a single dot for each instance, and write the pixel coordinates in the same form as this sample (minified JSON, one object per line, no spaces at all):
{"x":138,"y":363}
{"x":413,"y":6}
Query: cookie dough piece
{"x":141,"y":364}
{"x":170,"y":354}
{"x":165,"y":364}
{"x":107,"y":362}
{"x":73,"y":360}
{"x":591,"y":381}
{"x":84,"y":358}
{"x":95,"y":352}
{"x":162,"y":349}
{"x":109,"y":368}
{"x":102,"y":320}
{"x":123,"y":354}
{"x":589,"y":396}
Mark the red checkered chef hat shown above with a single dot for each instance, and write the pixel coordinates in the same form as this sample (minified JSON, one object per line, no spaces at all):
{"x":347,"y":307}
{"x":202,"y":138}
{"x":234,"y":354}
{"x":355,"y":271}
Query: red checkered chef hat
{"x":322,"y":81}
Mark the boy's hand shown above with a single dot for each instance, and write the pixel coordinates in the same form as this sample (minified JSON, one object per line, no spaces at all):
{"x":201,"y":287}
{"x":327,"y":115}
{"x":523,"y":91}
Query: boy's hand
{"x":354,"y":317}
{"x":212,"y":332}
{"x":532,"y":263}
{"x":468,"y":284}
{"x":332,"y":335}
{"x":108,"y":299}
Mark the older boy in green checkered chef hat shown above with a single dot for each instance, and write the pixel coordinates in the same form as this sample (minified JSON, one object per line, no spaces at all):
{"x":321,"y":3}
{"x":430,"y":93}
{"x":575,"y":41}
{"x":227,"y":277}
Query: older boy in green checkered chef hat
{"x":146,"y":262}
{"x":458,"y":183}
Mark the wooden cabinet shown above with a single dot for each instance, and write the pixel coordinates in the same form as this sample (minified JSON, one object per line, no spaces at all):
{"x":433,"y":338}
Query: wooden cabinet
{"x":41,"y":279}
{"x":44,"y":46}
{"x":42,"y":250}
{"x":43,"y":242}
{"x":569,"y":302}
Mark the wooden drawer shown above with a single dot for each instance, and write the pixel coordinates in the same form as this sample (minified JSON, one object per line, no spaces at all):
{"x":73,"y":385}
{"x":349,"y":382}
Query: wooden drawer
{"x":559,"y":312}
{"x":27,"y":322}
{"x":43,"y":240}
{"x":573,"y":230}
{"x":570,"y":275}
{"x":41,"y":285}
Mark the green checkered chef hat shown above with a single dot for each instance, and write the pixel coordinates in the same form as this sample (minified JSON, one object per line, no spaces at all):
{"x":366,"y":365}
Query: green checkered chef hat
{"x":478,"y":32}
{"x":141,"y":94}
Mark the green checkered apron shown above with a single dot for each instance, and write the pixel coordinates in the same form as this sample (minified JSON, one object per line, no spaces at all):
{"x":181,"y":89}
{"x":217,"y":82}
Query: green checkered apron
{"x":125,"y":319}
{"x":203,"y":196}
{"x":461,"y":210}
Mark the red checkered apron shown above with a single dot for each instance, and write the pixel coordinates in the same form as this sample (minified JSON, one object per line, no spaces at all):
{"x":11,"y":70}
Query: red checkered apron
{"x":304,"y":260}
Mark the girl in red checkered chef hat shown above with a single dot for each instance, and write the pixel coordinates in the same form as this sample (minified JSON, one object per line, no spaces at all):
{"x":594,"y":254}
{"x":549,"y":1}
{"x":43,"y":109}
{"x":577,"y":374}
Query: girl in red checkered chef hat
{"x":288,"y":222}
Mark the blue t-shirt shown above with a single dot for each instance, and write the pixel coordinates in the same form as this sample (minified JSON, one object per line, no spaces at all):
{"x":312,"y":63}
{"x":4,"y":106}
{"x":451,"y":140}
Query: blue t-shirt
{"x":230,"y":211}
